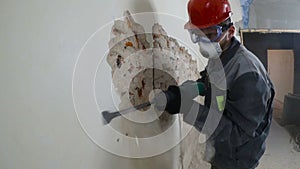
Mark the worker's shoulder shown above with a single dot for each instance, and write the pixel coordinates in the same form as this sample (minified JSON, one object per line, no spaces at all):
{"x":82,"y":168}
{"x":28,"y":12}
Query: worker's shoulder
{"x":244,"y":64}
{"x":246,"y":61}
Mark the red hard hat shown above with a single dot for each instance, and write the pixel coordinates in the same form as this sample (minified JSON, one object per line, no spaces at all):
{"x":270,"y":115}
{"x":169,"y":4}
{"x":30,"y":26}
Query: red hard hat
{"x":206,"y":13}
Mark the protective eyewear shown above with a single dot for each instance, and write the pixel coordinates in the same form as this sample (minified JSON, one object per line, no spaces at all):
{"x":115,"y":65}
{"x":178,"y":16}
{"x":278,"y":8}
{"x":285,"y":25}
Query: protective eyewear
{"x":207,"y":35}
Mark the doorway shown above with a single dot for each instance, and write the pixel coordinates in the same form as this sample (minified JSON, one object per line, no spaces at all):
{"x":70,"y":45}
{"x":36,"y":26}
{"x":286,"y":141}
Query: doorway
{"x":281,"y":71}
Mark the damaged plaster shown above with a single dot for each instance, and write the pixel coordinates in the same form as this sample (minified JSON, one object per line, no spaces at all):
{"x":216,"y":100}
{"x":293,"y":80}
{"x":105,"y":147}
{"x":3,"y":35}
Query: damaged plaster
{"x":141,"y":62}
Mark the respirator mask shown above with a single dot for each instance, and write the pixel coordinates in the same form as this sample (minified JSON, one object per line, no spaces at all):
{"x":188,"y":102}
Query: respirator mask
{"x":206,"y":39}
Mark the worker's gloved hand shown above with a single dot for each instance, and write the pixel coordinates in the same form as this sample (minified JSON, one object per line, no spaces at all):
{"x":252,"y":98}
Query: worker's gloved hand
{"x":168,"y":100}
{"x":177,"y":99}
{"x":204,"y":80}
{"x":191,"y":89}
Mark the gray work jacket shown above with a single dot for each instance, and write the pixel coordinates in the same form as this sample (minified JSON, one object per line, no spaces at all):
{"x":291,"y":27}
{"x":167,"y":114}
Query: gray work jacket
{"x":244,"y":113}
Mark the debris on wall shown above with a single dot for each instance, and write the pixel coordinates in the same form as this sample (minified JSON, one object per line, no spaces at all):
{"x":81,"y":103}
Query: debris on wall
{"x":141,"y":62}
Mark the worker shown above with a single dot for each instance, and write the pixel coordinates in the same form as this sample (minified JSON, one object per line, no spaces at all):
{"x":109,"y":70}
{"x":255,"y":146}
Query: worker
{"x":243,"y":98}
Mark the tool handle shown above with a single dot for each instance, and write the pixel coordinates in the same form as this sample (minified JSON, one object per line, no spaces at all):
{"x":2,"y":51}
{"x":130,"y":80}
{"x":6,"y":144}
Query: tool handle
{"x":108,"y":116}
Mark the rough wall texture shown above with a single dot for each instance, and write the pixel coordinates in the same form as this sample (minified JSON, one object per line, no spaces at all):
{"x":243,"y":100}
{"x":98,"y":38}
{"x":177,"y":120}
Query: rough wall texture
{"x":141,"y":62}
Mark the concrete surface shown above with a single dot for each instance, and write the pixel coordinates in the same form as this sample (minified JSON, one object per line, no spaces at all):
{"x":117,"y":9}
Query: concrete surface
{"x":280,"y":153}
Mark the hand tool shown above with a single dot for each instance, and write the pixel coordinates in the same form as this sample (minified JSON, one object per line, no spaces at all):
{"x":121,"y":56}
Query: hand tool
{"x":160,"y":99}
{"x":108,"y":116}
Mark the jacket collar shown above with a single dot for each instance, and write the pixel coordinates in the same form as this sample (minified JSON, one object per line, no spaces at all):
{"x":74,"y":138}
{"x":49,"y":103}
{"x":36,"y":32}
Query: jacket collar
{"x":228,"y":54}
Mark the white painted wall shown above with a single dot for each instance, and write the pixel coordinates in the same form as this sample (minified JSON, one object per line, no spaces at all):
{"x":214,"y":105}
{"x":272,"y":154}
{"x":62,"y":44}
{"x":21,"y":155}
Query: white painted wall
{"x":39,"y":45}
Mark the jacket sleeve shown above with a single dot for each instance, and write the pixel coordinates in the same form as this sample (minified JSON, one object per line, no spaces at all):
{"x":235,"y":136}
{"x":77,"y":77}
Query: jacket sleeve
{"x":245,"y":109}
{"x":209,"y":119}
{"x":247,"y":103}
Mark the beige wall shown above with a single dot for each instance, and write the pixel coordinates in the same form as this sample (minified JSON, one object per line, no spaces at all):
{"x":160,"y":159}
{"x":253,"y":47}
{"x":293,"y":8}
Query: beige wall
{"x":281,"y":70}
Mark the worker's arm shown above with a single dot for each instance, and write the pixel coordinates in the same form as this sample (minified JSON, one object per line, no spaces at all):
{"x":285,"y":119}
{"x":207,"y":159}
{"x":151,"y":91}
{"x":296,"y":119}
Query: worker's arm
{"x":177,"y":99}
{"x":247,"y":102}
{"x":245,"y":109}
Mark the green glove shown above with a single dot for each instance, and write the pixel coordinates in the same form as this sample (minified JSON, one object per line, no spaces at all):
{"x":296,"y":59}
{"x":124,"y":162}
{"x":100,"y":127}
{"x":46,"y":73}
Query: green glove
{"x":191,"y":89}
{"x":201,"y":88}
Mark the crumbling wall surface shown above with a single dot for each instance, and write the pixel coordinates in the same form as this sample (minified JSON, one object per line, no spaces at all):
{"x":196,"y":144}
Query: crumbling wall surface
{"x":140,"y":63}
{"x":175,"y":59}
